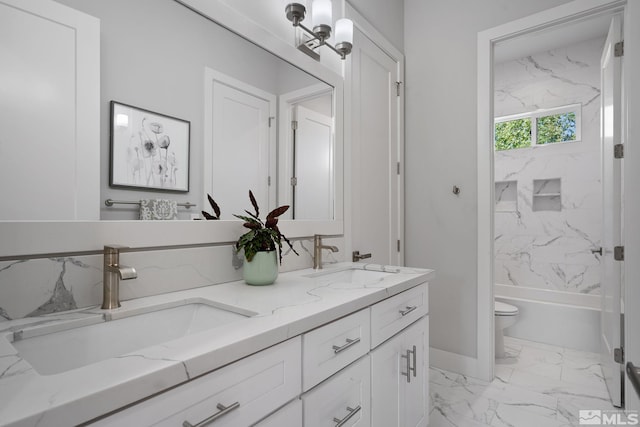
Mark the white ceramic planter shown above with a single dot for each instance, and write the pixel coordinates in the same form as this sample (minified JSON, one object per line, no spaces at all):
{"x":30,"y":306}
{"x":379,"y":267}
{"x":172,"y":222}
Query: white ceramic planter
{"x":262,"y":270}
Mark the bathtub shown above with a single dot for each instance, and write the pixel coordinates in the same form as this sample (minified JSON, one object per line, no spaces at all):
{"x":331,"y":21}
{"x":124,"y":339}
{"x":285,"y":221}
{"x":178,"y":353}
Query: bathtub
{"x":553,"y":317}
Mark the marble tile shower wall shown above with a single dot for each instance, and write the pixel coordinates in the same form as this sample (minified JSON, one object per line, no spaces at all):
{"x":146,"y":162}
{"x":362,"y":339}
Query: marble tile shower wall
{"x":42,"y":286}
{"x":551,"y":249}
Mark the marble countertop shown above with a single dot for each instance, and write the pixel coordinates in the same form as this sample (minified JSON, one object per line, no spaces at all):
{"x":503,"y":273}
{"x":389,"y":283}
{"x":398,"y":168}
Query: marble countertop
{"x":296,"y":303}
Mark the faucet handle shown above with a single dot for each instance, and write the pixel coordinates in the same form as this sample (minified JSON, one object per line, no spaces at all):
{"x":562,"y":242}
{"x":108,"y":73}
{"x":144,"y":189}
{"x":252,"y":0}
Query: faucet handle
{"x":357,"y":257}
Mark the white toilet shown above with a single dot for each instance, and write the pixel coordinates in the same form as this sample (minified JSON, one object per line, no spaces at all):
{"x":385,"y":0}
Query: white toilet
{"x":505,"y":316}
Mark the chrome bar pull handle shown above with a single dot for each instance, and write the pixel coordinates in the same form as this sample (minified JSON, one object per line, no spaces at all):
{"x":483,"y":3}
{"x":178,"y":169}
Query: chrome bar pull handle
{"x":352,"y":412}
{"x":415,"y":361}
{"x":407,"y":357}
{"x":349,"y":343}
{"x":222,"y":411}
{"x":597,"y":251}
{"x":408,"y":309}
{"x":411,"y":356}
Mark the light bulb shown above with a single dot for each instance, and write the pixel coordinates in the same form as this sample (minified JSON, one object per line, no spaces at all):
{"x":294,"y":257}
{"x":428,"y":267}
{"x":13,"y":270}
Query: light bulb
{"x":321,"y":13}
{"x":344,"y":31}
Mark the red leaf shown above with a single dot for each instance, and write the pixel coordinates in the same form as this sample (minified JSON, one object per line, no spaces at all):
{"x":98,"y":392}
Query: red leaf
{"x":277,"y":212}
{"x":214,"y":206}
{"x":254,"y":203}
{"x":271,"y":222}
{"x":207,"y":215}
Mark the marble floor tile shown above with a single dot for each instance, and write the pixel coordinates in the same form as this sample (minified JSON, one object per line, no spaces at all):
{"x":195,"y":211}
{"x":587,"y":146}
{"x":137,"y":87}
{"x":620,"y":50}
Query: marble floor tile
{"x":536,"y":385}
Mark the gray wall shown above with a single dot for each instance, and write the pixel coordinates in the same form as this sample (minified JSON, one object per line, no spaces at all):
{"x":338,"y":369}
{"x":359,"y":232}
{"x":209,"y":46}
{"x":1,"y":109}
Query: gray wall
{"x":440,"y":49}
{"x":386,"y":15}
{"x":153,"y":55}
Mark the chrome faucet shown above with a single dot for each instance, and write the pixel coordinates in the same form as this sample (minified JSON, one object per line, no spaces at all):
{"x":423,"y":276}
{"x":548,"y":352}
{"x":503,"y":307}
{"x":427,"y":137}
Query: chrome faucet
{"x":317,"y":251}
{"x":112,"y":273}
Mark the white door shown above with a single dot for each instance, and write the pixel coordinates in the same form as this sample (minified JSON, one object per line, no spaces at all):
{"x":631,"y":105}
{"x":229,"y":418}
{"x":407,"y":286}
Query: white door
{"x":239,"y":130}
{"x":49,"y":112}
{"x":611,"y":233}
{"x":375,"y":152}
{"x":313,"y":166}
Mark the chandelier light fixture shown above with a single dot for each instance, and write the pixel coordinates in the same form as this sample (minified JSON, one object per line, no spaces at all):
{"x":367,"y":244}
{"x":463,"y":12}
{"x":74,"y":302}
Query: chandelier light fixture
{"x":321,"y":23}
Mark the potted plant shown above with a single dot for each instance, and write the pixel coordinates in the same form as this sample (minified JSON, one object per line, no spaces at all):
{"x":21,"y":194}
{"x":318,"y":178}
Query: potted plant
{"x":260,"y":245}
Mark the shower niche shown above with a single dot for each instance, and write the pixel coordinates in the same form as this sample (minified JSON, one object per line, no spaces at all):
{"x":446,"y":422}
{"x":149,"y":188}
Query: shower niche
{"x":546,"y":195}
{"x":506,"y":196}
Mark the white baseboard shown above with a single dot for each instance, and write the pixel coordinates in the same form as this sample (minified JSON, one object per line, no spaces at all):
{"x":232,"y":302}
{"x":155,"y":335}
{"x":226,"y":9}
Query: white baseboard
{"x":453,"y":362}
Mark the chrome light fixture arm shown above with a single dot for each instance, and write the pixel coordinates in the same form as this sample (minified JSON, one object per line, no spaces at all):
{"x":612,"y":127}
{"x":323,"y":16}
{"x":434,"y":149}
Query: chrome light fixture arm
{"x":296,"y":13}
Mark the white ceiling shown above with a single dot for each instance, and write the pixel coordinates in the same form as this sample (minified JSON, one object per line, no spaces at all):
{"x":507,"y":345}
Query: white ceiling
{"x":551,"y":38}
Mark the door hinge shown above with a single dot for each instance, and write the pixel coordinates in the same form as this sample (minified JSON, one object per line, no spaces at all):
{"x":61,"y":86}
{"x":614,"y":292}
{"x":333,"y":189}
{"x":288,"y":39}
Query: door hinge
{"x":618,"y":151}
{"x":294,"y":124}
{"x":618,"y":253}
{"x":294,"y":181}
{"x":398,"y":88}
{"x":398,"y":168}
{"x":270,"y":119}
{"x":618,"y":355}
{"x":398,"y":245}
{"x":269,"y":181}
{"x":618,"y":49}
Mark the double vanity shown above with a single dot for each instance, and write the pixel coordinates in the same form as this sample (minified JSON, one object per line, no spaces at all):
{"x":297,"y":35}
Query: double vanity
{"x":339,"y":346}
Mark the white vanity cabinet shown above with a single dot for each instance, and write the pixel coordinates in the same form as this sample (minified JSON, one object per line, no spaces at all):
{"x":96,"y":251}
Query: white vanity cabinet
{"x":369,"y":368}
{"x":400,"y":379}
{"x":239,"y":394}
{"x":388,"y":384}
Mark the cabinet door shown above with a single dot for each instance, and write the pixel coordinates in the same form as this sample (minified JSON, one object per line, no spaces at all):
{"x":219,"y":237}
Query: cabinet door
{"x":399,"y":379}
{"x":344,"y":399}
{"x":414,"y":396}
{"x":386,"y":382}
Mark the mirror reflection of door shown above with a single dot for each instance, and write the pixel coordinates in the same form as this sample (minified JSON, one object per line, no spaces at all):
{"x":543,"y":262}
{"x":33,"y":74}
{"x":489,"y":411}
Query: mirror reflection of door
{"x":239,"y":144}
{"x":312,"y":183}
{"x":49,"y":112}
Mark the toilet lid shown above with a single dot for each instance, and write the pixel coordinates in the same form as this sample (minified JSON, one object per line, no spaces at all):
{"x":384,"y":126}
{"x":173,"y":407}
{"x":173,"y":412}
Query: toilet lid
{"x":505,"y":309}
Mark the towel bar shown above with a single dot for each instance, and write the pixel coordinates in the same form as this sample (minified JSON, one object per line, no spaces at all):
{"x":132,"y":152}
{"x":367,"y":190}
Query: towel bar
{"x":111,"y":202}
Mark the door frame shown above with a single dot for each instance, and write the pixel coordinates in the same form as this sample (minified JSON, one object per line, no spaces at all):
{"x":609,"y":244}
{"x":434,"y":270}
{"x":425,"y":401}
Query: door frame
{"x":364,"y":26}
{"x":575,"y":10}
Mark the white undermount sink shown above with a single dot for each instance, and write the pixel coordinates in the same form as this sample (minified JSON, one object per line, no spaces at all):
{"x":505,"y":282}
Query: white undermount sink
{"x":61,"y":351}
{"x":352,"y":276}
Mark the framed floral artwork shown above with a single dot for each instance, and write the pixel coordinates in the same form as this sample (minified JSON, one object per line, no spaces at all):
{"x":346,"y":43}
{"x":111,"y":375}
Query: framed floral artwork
{"x":148,"y":150}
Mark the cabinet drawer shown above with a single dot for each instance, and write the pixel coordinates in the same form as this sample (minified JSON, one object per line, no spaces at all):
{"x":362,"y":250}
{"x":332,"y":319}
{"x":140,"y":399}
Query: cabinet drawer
{"x":345,"y":398}
{"x":390,"y":316}
{"x":289,"y":416}
{"x":250,"y":389}
{"x":330,"y":348}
